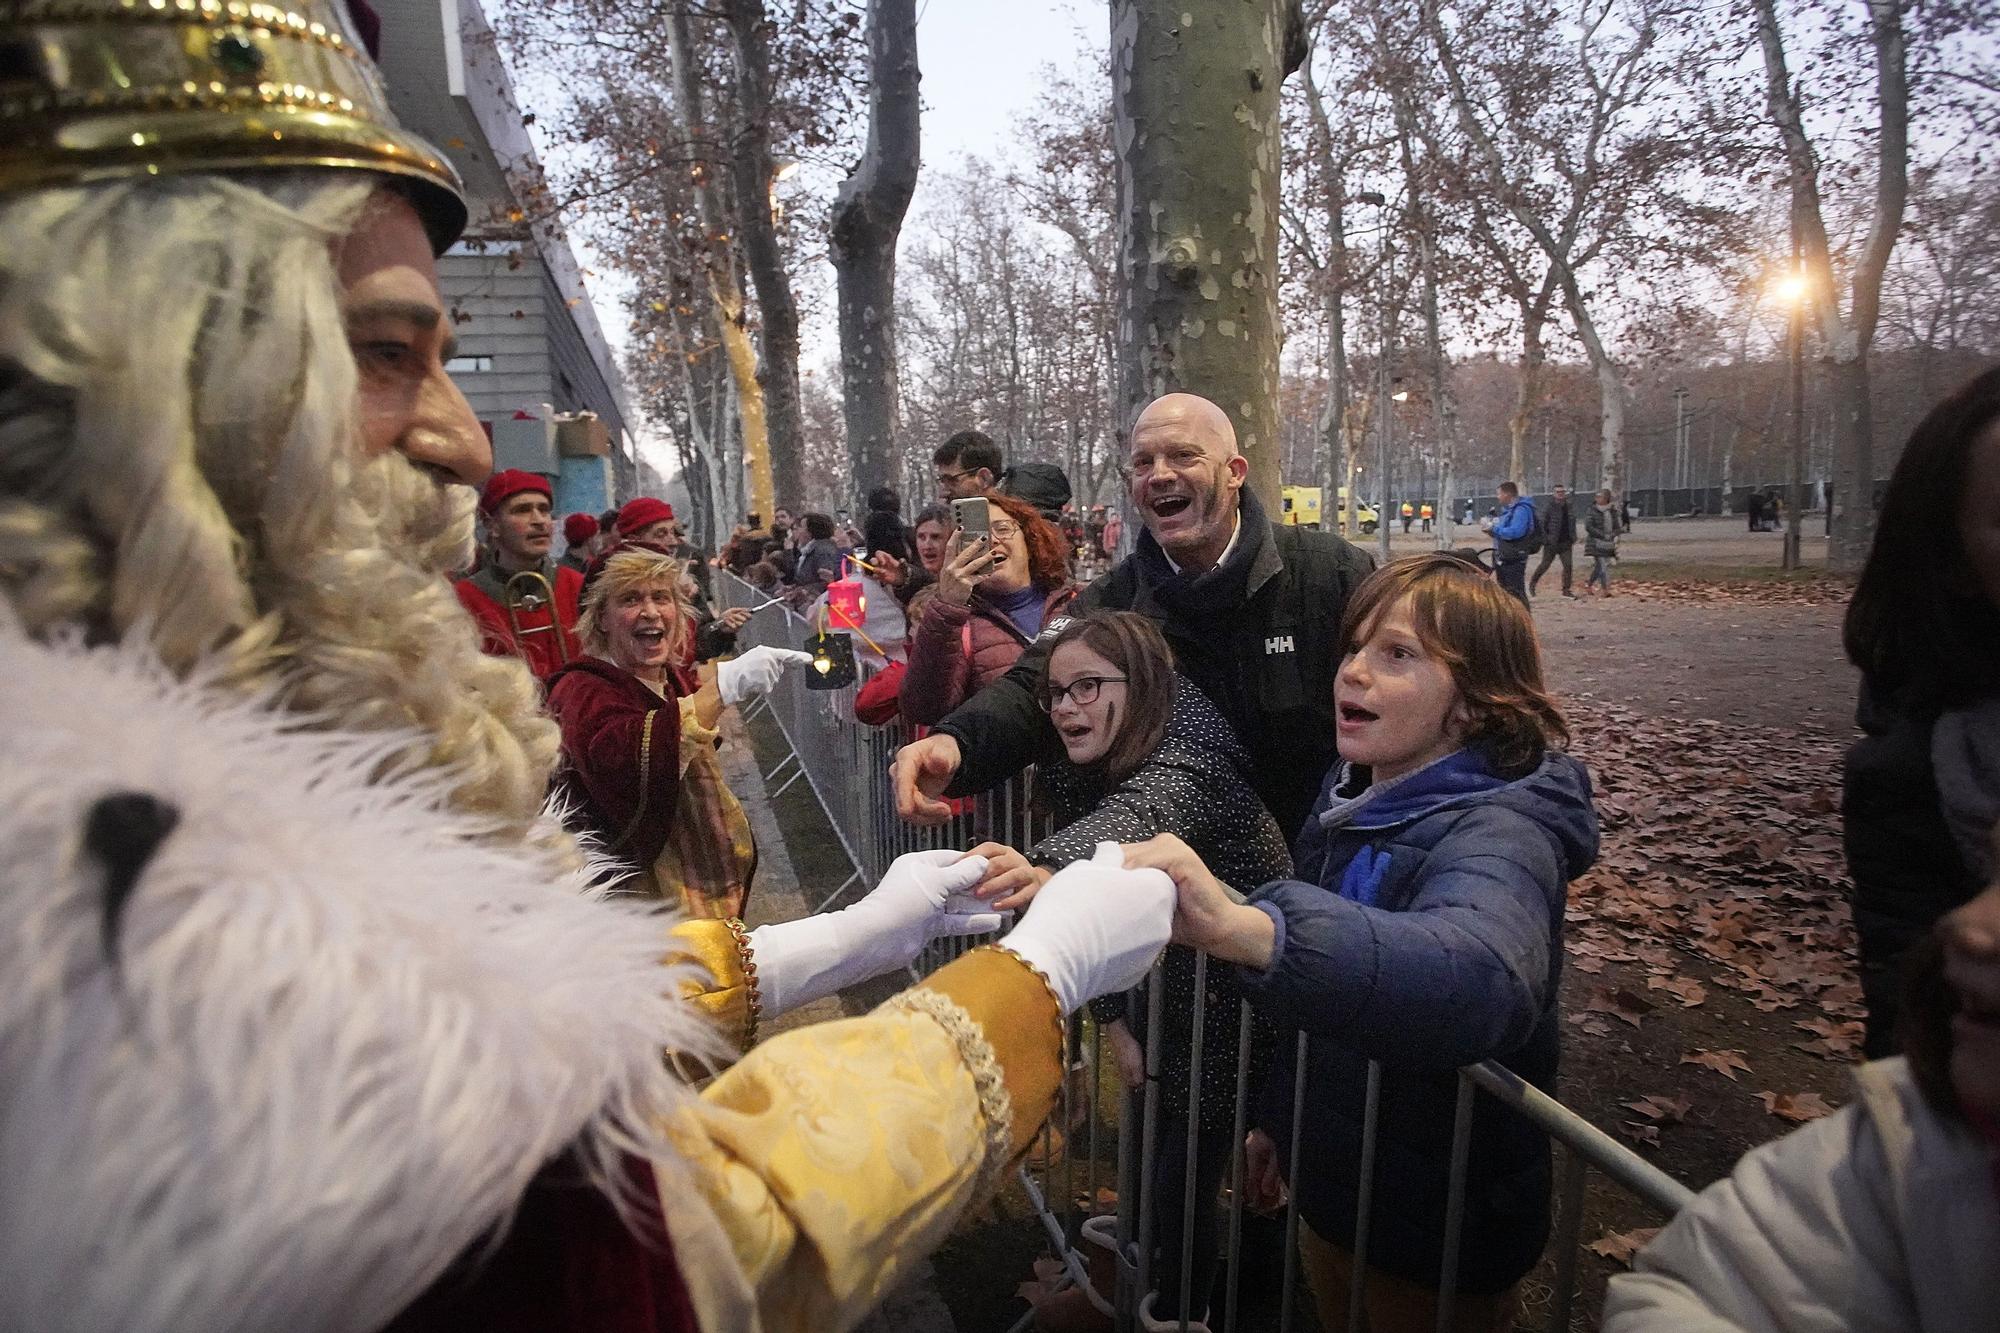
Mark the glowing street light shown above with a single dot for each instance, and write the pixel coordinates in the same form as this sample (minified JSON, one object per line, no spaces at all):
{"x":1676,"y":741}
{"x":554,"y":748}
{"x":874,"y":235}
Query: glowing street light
{"x":1793,"y":289}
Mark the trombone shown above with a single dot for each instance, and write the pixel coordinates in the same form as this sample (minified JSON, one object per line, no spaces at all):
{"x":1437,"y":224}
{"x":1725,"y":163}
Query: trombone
{"x":521,"y":595}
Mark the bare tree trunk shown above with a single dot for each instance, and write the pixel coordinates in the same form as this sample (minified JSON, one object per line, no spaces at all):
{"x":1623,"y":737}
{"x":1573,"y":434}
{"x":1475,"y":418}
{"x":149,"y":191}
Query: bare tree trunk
{"x":1441,"y":413}
{"x":867,"y":218}
{"x":1845,"y":337}
{"x":708,"y":398}
{"x":1332,"y":421}
{"x":1528,"y":389}
{"x":1610,"y":379}
{"x":1195,"y":107}
{"x":719,"y":260}
{"x":754,"y":175}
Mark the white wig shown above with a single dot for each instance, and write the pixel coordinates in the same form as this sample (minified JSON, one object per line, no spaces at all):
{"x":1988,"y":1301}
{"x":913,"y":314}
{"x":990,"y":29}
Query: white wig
{"x":179,"y":457}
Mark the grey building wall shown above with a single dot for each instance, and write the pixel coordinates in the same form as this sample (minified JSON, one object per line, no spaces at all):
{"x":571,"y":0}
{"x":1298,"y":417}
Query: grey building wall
{"x":517,"y":296}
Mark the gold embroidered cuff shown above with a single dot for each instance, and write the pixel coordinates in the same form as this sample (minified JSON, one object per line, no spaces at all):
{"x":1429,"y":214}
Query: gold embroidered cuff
{"x":988,"y":1079}
{"x":730,"y":995}
{"x":753,"y":993}
{"x":1018,"y":1015}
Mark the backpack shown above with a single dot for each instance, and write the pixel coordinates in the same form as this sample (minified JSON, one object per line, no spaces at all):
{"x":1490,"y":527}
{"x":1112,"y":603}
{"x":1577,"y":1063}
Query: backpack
{"x":1531,"y":540}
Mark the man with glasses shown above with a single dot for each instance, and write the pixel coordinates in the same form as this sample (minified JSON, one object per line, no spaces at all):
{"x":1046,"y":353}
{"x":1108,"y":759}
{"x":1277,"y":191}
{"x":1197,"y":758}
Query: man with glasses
{"x":966,"y":465}
{"x":1251,"y":609}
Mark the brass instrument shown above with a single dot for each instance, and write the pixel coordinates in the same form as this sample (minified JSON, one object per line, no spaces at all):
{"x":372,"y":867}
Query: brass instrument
{"x":525,"y":598}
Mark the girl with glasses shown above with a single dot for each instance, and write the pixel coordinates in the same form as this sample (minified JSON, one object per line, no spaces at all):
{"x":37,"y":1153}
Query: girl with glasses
{"x":1144,"y":752}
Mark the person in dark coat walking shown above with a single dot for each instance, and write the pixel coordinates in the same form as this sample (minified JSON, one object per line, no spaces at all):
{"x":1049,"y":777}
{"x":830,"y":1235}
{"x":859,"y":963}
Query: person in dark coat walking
{"x":1144,"y":753}
{"x":1250,"y":608}
{"x":1558,"y":540}
{"x":1922,"y":784}
{"x":1600,"y":543}
{"x":1423,"y":931}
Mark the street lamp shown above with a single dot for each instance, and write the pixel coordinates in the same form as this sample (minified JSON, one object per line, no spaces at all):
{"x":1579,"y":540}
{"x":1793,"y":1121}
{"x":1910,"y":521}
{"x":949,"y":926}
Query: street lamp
{"x":1383,"y":385}
{"x":1793,"y":288}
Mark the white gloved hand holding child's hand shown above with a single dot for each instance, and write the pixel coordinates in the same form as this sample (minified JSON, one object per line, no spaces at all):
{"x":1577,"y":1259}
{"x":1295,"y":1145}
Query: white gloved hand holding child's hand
{"x":756,"y":672}
{"x":924,"y":896}
{"x":1096,"y":927}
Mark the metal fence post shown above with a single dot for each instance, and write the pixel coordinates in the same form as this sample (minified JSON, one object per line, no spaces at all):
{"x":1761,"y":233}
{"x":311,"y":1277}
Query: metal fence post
{"x":1454,"y":1206}
{"x":846,"y":766}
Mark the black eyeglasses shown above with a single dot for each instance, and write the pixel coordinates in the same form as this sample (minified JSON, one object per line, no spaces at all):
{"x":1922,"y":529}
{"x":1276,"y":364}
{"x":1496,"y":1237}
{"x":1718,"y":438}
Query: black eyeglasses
{"x":1082,"y":691}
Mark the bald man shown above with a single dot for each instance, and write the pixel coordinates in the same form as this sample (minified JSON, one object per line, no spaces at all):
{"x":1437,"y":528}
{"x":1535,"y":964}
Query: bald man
{"x":1251,"y":608}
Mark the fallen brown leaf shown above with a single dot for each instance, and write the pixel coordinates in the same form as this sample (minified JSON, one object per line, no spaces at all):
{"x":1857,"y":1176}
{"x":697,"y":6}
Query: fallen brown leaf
{"x":1620,"y":1004}
{"x":1645,"y":1135}
{"x":1797,"y":1107}
{"x":1620,"y":1246}
{"x":1656,"y":1107}
{"x":1685,"y":989}
{"x":1725,"y":1063}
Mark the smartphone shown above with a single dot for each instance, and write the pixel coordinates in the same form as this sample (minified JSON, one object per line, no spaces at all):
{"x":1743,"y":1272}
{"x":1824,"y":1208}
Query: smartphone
{"x":973,"y":517}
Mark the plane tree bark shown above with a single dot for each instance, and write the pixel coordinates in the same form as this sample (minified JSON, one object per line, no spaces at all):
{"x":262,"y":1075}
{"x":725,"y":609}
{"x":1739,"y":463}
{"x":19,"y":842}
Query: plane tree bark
{"x":1196,"y":124}
{"x":867,"y":219}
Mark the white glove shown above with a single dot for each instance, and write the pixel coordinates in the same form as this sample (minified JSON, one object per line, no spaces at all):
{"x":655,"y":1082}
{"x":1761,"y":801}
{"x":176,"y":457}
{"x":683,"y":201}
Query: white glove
{"x":925,"y":895}
{"x":755,"y":672}
{"x":1096,"y":927}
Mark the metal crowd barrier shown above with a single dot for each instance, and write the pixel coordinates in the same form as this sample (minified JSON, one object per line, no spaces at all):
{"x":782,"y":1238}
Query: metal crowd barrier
{"x":847,"y":765}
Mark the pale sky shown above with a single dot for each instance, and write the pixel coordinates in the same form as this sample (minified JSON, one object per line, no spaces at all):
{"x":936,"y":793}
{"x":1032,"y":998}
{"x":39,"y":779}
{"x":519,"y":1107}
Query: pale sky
{"x":982,"y":63}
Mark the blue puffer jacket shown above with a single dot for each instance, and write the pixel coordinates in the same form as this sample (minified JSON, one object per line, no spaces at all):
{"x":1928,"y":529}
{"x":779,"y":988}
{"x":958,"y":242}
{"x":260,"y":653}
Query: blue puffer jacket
{"x":1428,"y":936}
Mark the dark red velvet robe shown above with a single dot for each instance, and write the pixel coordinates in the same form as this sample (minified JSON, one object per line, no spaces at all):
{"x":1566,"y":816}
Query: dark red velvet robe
{"x":567,"y":1264}
{"x":621,"y":756}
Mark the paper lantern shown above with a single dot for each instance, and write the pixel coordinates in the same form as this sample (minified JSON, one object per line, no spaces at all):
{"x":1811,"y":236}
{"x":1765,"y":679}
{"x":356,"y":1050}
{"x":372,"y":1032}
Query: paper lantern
{"x":846,"y":603}
{"x":833,"y":663}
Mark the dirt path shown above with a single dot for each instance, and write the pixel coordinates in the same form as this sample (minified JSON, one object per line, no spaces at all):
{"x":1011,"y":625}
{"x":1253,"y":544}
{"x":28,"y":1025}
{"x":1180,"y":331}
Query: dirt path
{"x":1773,"y":666}
{"x":1710,"y":999}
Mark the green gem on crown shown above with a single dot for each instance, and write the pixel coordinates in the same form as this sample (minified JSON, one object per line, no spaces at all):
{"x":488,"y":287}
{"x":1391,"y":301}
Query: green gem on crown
{"x":237,"y":54}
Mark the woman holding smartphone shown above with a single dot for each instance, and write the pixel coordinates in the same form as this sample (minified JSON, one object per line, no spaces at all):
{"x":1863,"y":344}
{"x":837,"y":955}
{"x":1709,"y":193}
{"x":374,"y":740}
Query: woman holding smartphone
{"x":994,"y":595}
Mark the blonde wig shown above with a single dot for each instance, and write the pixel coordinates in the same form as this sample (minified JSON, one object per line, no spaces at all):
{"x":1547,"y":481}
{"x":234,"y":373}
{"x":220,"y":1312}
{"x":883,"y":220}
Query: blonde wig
{"x":179,"y":459}
{"x":623,"y":572}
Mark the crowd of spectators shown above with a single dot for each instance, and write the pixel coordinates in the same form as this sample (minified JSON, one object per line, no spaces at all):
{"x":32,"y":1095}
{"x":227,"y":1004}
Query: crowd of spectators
{"x":1234,"y":684}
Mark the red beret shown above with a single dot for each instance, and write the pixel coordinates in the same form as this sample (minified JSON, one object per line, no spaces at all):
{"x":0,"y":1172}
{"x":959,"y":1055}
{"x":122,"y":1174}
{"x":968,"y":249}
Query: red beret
{"x":579,"y":528}
{"x":642,"y":513}
{"x":512,"y":482}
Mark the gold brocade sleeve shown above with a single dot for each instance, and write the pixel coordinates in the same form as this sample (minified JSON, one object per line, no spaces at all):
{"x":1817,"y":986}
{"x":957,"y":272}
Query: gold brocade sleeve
{"x":834,"y":1157}
{"x":693,"y":733}
{"x":729,"y":996}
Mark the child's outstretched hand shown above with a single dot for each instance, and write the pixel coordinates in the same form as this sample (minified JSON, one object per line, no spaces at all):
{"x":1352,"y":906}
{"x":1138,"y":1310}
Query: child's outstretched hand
{"x":1012,"y":881}
{"x":1206,"y":915}
{"x":1265,"y":1192}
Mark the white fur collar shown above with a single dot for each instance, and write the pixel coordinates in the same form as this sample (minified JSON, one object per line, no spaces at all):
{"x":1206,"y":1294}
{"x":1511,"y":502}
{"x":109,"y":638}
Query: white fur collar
{"x":343,"y":1036}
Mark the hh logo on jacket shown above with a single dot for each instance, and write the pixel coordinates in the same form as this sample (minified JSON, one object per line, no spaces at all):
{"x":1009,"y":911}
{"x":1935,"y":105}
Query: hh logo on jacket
{"x":1278,"y":643}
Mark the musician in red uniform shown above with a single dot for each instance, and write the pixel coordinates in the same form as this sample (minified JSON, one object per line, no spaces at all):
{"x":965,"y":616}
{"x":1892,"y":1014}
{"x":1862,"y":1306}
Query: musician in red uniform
{"x":520,"y":530}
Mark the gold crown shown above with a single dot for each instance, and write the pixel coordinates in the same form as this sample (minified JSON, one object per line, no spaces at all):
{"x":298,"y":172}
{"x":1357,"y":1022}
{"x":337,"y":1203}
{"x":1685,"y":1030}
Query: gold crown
{"x":103,"y":89}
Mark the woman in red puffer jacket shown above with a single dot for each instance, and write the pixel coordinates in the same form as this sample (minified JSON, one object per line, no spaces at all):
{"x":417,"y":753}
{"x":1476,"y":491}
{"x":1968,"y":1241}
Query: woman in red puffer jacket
{"x":993,"y":598}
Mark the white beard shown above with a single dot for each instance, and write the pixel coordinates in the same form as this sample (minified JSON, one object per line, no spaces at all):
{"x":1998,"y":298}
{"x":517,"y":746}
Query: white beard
{"x":342,"y":1034}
